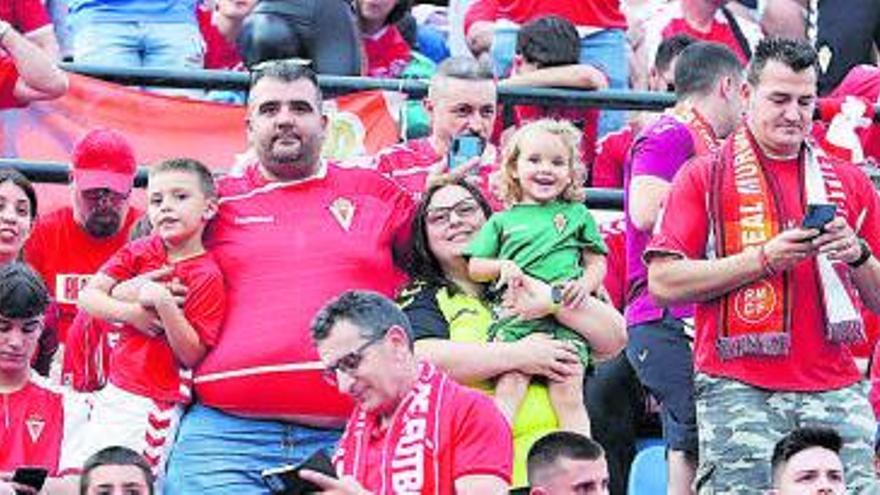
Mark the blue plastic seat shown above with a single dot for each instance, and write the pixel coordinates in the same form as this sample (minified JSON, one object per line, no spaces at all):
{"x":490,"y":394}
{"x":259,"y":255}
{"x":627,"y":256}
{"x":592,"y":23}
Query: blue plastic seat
{"x":647,"y":476}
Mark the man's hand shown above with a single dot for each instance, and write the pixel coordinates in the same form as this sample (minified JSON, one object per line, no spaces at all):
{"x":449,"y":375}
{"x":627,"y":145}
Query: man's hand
{"x":789,"y":248}
{"x":539,"y":354}
{"x":7,"y":487}
{"x":331,"y":486}
{"x":839,"y":242}
{"x":439,"y":173}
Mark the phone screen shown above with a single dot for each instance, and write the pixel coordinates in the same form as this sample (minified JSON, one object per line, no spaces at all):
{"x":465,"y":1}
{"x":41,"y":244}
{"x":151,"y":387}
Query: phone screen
{"x":286,"y":480}
{"x":463,"y":149}
{"x":818,"y":215}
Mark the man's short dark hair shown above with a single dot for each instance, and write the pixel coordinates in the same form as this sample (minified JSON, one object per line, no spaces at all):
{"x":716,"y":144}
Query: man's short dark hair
{"x":549,"y":449}
{"x":115,"y":456}
{"x":371,"y":312}
{"x":549,"y":41}
{"x":22,"y":292}
{"x":464,"y":68}
{"x":201,"y":172}
{"x":701,"y":65}
{"x":802,"y":439}
{"x":669,"y":49}
{"x":797,"y":55}
{"x":289,"y":70}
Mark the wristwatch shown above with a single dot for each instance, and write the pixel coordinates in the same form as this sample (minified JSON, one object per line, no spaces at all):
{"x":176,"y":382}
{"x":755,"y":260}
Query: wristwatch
{"x":556,"y":296}
{"x":863,"y":257}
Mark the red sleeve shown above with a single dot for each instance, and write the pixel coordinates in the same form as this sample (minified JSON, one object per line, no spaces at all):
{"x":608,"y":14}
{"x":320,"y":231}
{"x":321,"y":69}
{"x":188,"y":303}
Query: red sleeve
{"x":482,"y":438}
{"x":86,"y":353}
{"x":8,"y":79}
{"x":610,"y":155}
{"x":30,"y":15}
{"x":123,"y":264}
{"x":205,"y":304}
{"x":480,"y":10}
{"x":684,"y":223}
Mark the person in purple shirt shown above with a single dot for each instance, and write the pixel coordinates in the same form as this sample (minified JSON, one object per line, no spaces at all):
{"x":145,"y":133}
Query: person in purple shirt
{"x":708,"y":81}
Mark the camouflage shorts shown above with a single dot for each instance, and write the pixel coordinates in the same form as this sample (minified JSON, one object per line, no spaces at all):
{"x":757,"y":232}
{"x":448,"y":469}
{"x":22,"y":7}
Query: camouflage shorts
{"x":740,"y":424}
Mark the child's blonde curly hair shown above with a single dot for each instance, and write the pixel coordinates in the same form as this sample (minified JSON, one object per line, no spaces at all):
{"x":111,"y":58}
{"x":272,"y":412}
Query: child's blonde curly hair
{"x":511,"y":190}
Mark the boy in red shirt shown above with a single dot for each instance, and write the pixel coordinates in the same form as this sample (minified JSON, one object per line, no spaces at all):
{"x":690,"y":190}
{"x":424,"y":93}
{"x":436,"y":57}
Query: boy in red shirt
{"x":159,"y":342}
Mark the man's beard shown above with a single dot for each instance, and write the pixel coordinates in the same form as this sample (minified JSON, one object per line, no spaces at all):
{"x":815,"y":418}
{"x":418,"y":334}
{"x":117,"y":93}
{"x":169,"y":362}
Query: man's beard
{"x":102,"y":225}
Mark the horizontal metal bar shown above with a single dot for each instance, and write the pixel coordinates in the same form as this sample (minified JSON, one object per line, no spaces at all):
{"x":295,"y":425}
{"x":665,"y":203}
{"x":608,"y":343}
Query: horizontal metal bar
{"x":58,"y":173}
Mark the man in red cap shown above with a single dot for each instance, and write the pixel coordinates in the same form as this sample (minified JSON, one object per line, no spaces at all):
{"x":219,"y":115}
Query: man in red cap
{"x":69,"y":245}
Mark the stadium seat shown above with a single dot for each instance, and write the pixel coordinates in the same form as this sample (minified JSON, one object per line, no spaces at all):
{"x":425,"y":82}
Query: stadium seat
{"x":647,"y":476}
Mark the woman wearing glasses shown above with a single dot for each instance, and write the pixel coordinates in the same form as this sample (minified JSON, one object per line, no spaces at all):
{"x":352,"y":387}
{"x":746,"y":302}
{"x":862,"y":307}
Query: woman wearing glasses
{"x":450,"y":315}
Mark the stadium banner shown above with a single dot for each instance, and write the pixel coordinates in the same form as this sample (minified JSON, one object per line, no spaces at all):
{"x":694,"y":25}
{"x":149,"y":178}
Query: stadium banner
{"x":161,"y":127}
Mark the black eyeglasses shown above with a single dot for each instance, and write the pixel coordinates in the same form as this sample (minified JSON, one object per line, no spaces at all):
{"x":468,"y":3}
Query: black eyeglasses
{"x":348,"y":363}
{"x":440,"y":217}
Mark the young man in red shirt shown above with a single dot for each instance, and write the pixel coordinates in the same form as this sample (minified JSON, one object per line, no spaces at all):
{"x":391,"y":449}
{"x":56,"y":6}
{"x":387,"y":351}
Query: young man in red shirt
{"x":40,"y":423}
{"x":413,"y":430}
{"x":777,"y":304}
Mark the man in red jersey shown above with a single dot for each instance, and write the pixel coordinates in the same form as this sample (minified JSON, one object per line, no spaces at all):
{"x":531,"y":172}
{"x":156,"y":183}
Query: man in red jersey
{"x":461,"y":100}
{"x":291,"y":232}
{"x":39,"y":422}
{"x":777,"y":297}
{"x":414,"y":430}
{"x":69,"y":245}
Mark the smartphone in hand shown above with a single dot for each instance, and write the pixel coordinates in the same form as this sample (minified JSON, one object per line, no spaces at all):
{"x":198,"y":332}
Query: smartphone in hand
{"x":463,"y":149}
{"x":285,"y":479}
{"x":818,"y":216}
{"x":33,"y":477}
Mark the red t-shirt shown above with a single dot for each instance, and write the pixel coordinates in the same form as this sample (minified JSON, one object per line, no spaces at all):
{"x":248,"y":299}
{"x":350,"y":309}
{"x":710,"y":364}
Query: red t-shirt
{"x":145,"y":365}
{"x":8,"y":80}
{"x":387,"y":53}
{"x":719,"y":32}
{"x":473,"y":438}
{"x":65,"y":255}
{"x":813,"y":363}
{"x":614,"y":235}
{"x":25,"y":15}
{"x":219,"y":53}
{"x":38,"y":425}
{"x":611,"y":154}
{"x":595,"y":13}
{"x":285,"y":249}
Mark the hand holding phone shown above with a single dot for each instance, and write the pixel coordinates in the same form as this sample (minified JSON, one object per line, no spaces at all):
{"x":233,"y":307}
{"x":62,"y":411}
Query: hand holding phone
{"x":286,"y":480}
{"x":33,"y":477}
{"x":463,"y":149}
{"x":819,"y":215}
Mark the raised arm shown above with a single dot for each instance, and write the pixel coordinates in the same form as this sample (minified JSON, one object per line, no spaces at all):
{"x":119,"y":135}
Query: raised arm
{"x":39,"y":77}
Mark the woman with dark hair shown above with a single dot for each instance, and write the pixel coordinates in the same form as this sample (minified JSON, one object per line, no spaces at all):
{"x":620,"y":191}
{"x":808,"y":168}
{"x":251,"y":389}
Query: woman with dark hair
{"x":18,"y":210}
{"x":450,"y":315}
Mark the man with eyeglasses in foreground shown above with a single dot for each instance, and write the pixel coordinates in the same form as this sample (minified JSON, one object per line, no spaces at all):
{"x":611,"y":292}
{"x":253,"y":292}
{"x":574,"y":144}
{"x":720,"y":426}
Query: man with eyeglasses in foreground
{"x":68,"y":245}
{"x":413,"y":430}
{"x":291,"y":232}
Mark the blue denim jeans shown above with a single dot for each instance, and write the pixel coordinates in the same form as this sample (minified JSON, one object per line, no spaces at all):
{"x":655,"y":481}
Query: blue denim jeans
{"x":172,"y":45}
{"x":606,"y":49}
{"x":222,"y":454}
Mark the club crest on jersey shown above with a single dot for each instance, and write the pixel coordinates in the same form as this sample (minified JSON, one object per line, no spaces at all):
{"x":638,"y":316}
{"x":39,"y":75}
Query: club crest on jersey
{"x":343,"y":211}
{"x":559,"y":222}
{"x":35,"y":425}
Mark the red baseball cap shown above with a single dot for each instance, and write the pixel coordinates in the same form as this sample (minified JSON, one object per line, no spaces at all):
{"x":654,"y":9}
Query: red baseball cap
{"x":104,"y":159}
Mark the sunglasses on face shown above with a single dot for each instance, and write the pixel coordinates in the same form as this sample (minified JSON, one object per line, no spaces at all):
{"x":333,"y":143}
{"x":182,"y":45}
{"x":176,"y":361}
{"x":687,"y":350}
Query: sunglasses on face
{"x":348,"y":363}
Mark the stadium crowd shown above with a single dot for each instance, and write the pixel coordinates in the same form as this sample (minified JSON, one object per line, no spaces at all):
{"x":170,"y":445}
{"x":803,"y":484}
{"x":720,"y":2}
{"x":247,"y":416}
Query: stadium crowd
{"x":446,"y":315}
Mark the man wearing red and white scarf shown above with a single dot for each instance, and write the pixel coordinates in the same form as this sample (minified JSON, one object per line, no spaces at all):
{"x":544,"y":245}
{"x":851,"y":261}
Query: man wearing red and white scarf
{"x":414,"y":430}
{"x":777,"y":304}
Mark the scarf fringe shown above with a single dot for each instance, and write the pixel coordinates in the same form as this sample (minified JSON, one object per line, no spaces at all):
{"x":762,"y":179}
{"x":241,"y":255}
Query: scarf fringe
{"x":766,"y":344}
{"x":846,"y":332}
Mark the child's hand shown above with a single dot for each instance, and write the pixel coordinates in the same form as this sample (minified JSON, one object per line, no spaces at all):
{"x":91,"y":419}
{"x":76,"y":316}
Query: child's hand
{"x":510,"y":275}
{"x":147,"y":322}
{"x":152,"y":294}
